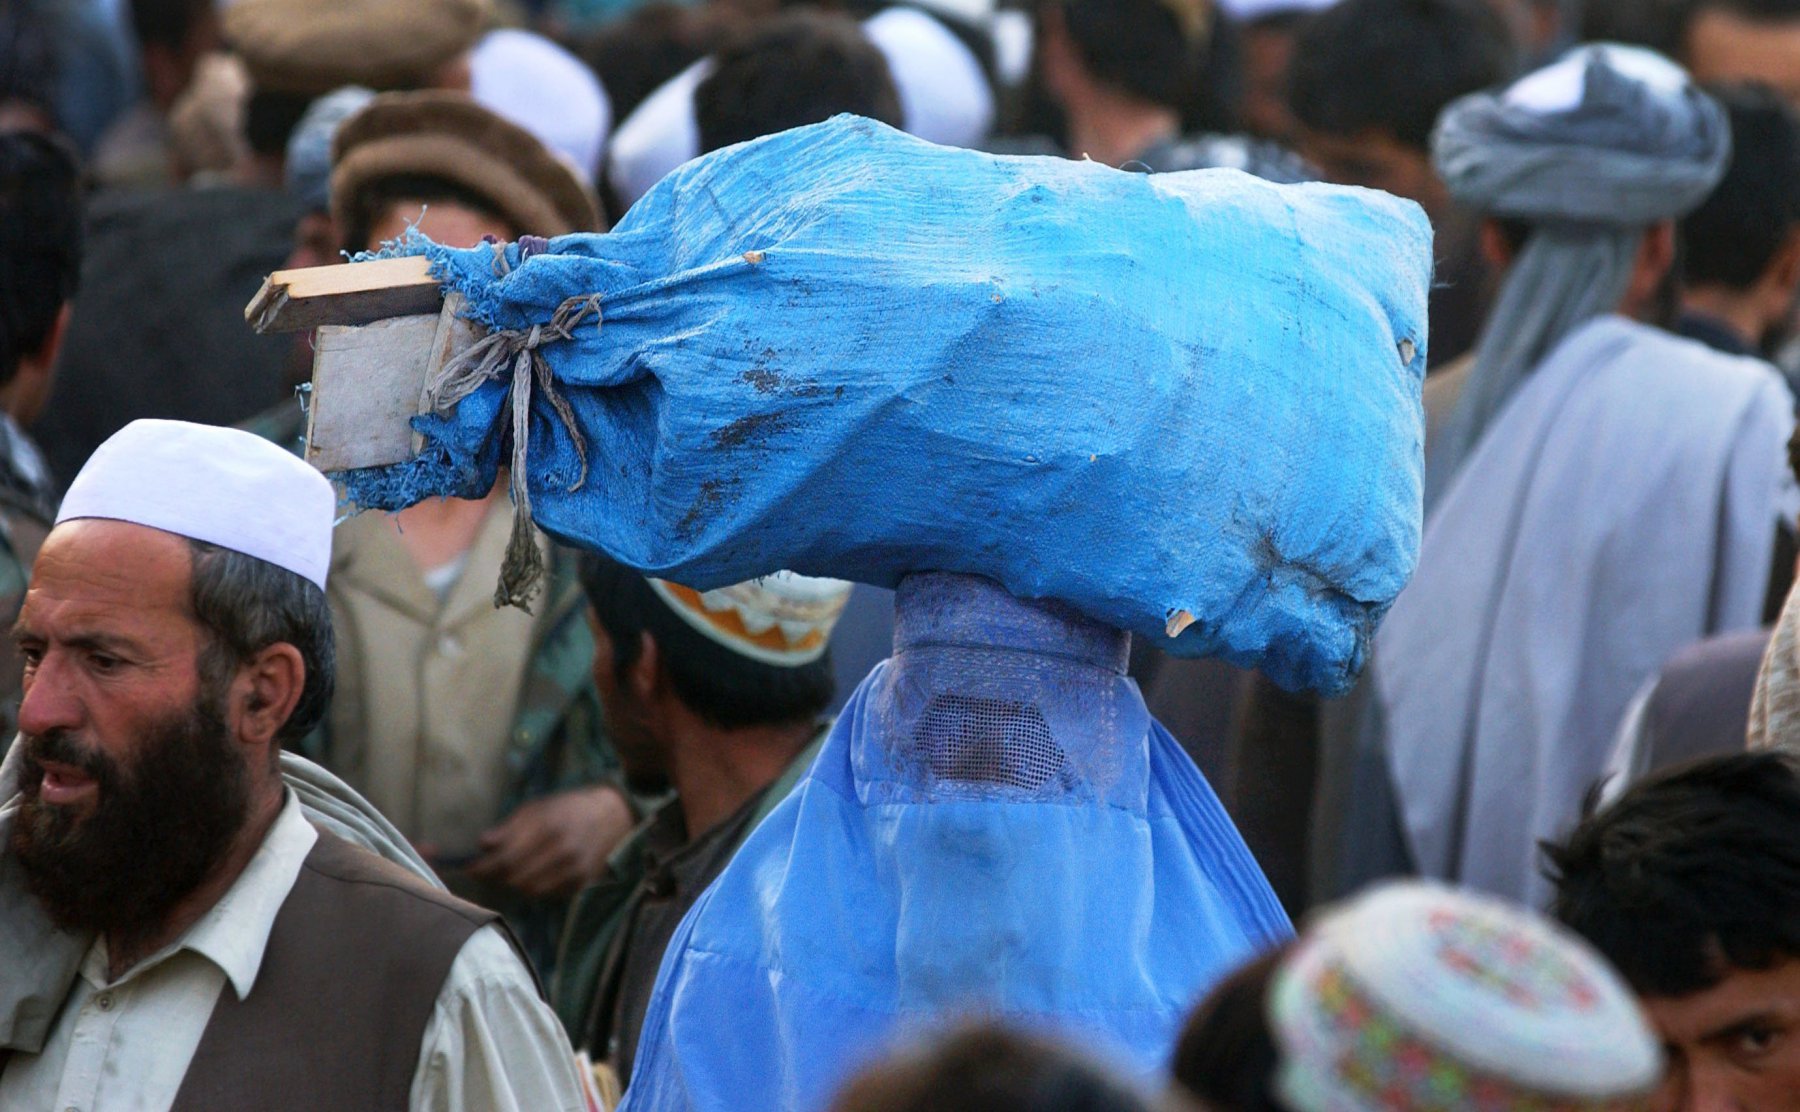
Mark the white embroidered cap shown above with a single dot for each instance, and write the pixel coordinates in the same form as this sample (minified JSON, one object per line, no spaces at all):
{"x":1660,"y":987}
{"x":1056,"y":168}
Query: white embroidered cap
{"x":1418,"y":996}
{"x":222,"y":486}
{"x":781,"y":619}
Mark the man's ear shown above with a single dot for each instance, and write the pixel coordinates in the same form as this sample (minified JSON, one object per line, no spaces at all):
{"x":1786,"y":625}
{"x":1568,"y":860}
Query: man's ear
{"x":265,"y":693}
{"x":646,"y":676}
{"x":29,"y":389}
{"x":53,"y":340}
{"x":1495,"y":250}
{"x":1655,"y":258}
{"x":1783,"y":272}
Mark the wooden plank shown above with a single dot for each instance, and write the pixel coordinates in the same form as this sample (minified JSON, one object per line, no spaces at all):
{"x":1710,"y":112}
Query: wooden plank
{"x":345,"y":294}
{"x":369,"y":382}
{"x":454,"y":335}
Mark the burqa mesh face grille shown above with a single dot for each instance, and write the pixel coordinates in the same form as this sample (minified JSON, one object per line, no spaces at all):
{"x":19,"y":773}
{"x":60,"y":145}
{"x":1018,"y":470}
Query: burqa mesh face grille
{"x":988,"y":698}
{"x":996,"y":741}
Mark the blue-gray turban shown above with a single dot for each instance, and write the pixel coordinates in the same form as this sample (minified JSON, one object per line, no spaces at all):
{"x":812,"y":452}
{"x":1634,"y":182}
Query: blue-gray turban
{"x":308,"y":175}
{"x":1589,"y":151}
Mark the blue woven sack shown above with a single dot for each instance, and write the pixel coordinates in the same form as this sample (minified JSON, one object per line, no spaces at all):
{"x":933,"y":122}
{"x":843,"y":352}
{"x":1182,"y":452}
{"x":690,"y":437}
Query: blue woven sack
{"x":1187,"y":404}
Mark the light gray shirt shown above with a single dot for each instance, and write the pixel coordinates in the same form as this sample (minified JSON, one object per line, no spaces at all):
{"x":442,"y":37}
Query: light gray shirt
{"x":491,"y":1042}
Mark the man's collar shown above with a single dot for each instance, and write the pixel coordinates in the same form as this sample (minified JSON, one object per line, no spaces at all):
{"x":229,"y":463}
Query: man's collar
{"x":234,"y":932}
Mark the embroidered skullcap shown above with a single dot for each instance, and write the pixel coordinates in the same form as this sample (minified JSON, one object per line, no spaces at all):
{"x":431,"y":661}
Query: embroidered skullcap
{"x":447,"y":135}
{"x":546,"y":90}
{"x":1418,"y":996}
{"x":310,"y":47}
{"x":1775,"y":708}
{"x":223,"y":486}
{"x":1589,"y":151}
{"x":781,"y":619}
{"x":307,"y":173}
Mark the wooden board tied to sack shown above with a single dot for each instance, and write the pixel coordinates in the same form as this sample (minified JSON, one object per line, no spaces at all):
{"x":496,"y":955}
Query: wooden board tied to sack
{"x":384,"y":330}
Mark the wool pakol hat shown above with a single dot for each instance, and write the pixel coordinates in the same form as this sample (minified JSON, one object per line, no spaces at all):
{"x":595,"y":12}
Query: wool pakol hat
{"x":311,"y":47}
{"x":781,"y":619}
{"x":447,"y":135}
{"x":1418,"y":996}
{"x":222,"y":486}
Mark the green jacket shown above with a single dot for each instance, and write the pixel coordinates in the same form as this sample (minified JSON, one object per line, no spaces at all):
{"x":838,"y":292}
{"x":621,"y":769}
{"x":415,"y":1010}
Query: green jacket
{"x":601,"y":911}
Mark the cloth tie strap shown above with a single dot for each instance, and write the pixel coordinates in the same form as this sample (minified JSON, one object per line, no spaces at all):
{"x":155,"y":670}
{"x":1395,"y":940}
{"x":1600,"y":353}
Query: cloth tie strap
{"x":490,"y":359}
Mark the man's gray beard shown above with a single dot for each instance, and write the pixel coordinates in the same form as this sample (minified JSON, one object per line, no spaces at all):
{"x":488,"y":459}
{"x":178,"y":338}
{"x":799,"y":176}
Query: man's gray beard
{"x":162,"y":822}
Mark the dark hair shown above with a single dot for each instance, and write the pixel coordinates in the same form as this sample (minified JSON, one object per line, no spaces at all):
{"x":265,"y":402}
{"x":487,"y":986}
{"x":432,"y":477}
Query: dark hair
{"x":28,"y":57}
{"x":372,"y":201}
{"x":1226,"y":1054}
{"x":167,"y":23}
{"x":1135,"y":46}
{"x":270,"y":119}
{"x":245,"y":605}
{"x":1770,"y":11}
{"x":727,"y":689}
{"x":1734,"y":234}
{"x":1690,"y":874}
{"x":987,"y":1068}
{"x":40,"y":242}
{"x":1392,"y":65}
{"x":1660,"y":25}
{"x":634,"y":55}
{"x":798,"y":68}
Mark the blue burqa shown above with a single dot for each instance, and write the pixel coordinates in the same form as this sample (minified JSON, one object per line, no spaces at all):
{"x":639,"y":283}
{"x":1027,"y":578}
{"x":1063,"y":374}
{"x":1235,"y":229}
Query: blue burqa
{"x":997,"y":827}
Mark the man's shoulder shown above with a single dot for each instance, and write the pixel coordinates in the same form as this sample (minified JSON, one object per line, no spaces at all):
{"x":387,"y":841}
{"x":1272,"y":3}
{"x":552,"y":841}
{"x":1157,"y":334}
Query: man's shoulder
{"x":1660,"y":355}
{"x":383,"y":881}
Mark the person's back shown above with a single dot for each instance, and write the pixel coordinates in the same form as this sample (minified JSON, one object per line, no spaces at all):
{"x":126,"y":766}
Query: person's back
{"x":158,"y":327}
{"x":1583,"y":441}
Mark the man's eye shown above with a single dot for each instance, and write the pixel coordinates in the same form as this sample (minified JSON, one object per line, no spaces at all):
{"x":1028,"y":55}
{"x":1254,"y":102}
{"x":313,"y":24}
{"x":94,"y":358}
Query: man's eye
{"x":1754,"y":1042}
{"x":100,"y":662}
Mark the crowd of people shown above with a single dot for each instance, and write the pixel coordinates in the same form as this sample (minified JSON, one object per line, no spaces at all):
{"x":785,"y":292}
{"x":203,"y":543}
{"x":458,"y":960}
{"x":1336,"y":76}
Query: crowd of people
{"x":298,"y":816}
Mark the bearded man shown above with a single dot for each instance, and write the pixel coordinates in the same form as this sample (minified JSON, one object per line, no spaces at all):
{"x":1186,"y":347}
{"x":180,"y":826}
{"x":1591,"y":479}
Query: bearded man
{"x":175,"y":636}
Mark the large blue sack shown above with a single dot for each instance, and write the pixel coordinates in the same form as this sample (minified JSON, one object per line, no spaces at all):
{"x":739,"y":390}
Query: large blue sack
{"x":1183,"y":403}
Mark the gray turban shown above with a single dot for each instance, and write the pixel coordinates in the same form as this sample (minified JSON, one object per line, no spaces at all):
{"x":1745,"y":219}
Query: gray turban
{"x":1589,"y":151}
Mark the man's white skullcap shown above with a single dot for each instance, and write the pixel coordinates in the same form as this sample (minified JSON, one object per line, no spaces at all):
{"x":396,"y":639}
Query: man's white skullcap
{"x":1418,"y":996}
{"x":222,"y":486}
{"x":524,"y":77}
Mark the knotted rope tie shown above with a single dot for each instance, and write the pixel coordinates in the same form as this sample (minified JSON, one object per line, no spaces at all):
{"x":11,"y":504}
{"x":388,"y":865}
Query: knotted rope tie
{"x":490,"y":359}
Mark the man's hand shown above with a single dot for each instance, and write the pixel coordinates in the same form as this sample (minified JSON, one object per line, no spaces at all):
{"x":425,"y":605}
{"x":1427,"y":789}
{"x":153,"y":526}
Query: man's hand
{"x":555,"y":845}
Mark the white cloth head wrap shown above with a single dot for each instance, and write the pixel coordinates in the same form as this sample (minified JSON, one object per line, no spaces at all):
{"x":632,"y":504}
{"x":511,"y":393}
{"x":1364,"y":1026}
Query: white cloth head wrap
{"x":1589,"y":151}
{"x":222,"y":486}
{"x":944,"y":98}
{"x":527,"y":79}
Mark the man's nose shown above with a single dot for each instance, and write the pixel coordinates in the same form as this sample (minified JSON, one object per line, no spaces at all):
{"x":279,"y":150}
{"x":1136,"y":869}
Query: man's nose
{"x":1708,"y":1088}
{"x":49,"y":701}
